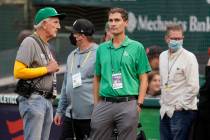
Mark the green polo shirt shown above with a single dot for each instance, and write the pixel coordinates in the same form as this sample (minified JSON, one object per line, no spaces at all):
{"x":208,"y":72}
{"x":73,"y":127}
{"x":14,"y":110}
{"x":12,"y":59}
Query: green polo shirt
{"x":129,"y":58}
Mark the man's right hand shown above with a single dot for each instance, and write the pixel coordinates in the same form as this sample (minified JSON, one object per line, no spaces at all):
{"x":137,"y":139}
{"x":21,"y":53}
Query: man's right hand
{"x":52,"y":66}
{"x":57,"y":120}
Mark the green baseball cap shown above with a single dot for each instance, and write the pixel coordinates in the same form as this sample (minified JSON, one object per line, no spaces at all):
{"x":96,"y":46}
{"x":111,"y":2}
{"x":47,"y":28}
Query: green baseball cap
{"x":46,"y":13}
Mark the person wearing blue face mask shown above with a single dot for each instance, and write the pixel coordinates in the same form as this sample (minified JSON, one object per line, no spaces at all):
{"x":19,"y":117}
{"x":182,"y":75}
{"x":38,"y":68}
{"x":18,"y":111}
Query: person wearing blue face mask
{"x":174,"y":45}
{"x":179,"y":87}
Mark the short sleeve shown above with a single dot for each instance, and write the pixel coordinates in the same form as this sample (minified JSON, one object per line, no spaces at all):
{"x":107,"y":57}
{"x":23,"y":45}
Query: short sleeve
{"x":26,"y":51}
{"x":143,"y":65}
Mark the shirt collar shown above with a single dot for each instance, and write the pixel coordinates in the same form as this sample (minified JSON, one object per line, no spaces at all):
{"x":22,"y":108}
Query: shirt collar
{"x":172,"y":55}
{"x":86,"y":50}
{"x":125,"y":42}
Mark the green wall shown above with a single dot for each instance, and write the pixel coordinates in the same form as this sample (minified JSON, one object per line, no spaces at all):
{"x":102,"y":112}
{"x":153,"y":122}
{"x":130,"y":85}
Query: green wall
{"x":11,"y":23}
{"x":150,"y":120}
{"x":148,"y":19}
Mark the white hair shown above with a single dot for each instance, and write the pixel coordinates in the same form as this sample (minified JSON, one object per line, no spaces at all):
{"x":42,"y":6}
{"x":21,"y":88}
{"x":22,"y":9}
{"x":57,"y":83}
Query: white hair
{"x":40,"y":24}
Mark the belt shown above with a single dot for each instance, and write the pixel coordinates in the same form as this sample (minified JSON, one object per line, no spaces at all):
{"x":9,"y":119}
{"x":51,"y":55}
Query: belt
{"x":45,"y":94}
{"x":119,"y":99}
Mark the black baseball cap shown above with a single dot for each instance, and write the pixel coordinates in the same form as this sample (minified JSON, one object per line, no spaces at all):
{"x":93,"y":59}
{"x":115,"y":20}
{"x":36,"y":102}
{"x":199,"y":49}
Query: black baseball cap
{"x":83,"y":26}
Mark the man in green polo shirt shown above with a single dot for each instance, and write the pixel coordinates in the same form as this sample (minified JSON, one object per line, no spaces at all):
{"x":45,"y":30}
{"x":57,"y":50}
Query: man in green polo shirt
{"x":120,"y":82}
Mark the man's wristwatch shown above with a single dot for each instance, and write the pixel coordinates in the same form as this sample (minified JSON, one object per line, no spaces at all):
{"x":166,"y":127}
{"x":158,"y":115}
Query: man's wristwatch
{"x":140,"y":105}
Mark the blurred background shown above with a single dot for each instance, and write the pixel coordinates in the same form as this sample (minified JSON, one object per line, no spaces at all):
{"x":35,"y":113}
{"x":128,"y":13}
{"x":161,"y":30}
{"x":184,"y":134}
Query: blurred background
{"x":147,"y":23}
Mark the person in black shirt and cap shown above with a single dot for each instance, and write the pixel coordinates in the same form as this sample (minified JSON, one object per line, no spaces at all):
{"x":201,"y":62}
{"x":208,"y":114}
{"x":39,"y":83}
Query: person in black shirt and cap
{"x":76,"y":102}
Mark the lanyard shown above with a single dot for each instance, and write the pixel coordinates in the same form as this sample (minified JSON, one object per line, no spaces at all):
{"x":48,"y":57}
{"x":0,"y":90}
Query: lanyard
{"x":85,"y":60}
{"x":120,"y":60}
{"x":170,"y":68}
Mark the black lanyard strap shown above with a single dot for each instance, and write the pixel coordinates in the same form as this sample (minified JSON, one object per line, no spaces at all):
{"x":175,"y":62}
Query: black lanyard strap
{"x":120,"y":60}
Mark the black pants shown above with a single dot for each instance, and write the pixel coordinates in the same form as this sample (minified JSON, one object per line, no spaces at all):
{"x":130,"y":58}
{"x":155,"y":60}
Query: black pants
{"x":202,"y":129}
{"x":81,"y":129}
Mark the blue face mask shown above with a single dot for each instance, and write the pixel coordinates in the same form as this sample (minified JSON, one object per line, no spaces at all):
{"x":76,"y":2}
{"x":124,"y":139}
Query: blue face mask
{"x":175,"y":45}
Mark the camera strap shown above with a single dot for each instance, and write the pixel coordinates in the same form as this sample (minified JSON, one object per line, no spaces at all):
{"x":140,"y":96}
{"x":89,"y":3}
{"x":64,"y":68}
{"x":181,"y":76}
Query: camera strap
{"x":41,"y":45}
{"x":38,"y":40}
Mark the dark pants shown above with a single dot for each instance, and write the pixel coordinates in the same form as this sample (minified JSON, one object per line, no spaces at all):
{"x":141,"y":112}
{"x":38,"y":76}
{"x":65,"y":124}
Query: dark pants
{"x":178,"y":127}
{"x":202,"y":130}
{"x":81,"y":129}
